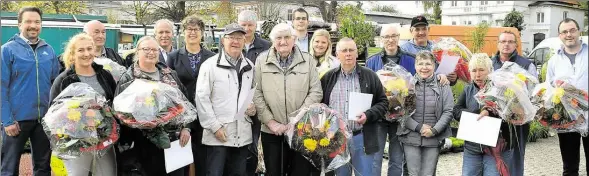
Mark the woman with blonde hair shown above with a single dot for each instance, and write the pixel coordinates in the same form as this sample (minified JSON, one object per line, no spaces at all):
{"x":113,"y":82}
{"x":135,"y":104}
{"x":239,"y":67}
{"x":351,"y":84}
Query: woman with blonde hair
{"x":321,"y":50}
{"x":79,"y":65}
{"x":479,"y":159}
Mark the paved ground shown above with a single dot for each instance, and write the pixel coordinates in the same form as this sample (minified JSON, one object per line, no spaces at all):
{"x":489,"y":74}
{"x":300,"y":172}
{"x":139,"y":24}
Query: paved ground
{"x":542,"y":159}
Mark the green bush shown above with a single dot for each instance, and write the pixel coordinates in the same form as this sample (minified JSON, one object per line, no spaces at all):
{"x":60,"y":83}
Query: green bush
{"x":537,"y":131}
{"x":456,"y":143}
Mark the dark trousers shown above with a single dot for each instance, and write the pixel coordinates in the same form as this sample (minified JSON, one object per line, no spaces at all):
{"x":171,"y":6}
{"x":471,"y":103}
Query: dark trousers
{"x":228,"y":161}
{"x":199,"y":151}
{"x":152,"y":158}
{"x":570,"y":144}
{"x":13,"y":146}
{"x":281,"y":160}
{"x":252,"y":159}
{"x":519,"y":151}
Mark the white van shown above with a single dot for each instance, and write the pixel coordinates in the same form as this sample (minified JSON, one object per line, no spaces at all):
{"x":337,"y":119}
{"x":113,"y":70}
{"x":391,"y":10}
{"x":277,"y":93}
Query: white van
{"x":547,"y":48}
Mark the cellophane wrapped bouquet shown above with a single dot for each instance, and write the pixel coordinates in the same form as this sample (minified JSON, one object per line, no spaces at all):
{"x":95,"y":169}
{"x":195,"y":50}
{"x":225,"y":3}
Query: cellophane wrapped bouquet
{"x":452,"y":47}
{"x":508,"y":94}
{"x":114,"y":68}
{"x":400,"y":91}
{"x":563,"y":107}
{"x":321,"y":135}
{"x":80,"y":121}
{"x":147,"y":102}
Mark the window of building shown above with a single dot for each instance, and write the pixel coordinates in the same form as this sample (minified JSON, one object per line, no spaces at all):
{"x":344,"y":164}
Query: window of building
{"x":484,"y":2}
{"x":468,"y":3}
{"x":453,"y":22}
{"x":290,"y":15}
{"x":454,"y":3}
{"x":482,"y":9}
{"x":469,"y":22}
{"x":565,"y":14}
{"x":500,"y":2}
{"x":467,"y":9}
{"x":484,"y":21}
{"x":540,"y":17}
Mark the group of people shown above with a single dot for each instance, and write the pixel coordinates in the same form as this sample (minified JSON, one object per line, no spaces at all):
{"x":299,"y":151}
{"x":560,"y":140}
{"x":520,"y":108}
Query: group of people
{"x":291,"y":71}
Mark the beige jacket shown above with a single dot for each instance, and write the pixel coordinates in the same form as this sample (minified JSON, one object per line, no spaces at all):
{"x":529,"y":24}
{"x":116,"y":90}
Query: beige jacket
{"x":280,"y":92}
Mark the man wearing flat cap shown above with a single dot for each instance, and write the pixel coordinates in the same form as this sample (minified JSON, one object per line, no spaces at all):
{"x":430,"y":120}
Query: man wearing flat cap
{"x":224,"y":83}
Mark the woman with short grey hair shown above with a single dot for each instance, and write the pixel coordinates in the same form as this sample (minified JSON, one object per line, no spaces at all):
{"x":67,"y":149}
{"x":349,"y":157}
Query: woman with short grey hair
{"x":422,"y":133}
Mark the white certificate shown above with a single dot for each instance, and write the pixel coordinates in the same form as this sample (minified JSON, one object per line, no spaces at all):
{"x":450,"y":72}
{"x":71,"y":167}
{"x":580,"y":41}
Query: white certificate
{"x":448,"y":64}
{"x":358,"y":103}
{"x":177,"y":157}
{"x":484,"y":131}
{"x":241,"y":111}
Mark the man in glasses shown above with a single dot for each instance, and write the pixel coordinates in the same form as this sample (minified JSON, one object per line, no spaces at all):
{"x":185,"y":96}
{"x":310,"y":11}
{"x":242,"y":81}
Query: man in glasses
{"x":570,"y":64}
{"x":391,"y":53}
{"x":300,"y":24}
{"x":506,"y":46}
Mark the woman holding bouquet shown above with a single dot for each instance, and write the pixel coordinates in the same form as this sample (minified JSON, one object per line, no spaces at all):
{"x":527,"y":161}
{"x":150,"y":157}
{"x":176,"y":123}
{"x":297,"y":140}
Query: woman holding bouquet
{"x":321,"y":50}
{"x":78,"y":59}
{"x":479,"y":160}
{"x":422,"y":133}
{"x":149,"y":156}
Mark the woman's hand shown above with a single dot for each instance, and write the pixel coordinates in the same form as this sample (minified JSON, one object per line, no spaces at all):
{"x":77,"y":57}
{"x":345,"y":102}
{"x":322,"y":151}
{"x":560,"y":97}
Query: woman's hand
{"x":184,"y":137}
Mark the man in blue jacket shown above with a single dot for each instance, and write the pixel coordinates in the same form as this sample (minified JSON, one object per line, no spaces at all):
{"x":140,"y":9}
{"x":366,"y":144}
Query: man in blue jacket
{"x":29,"y":65}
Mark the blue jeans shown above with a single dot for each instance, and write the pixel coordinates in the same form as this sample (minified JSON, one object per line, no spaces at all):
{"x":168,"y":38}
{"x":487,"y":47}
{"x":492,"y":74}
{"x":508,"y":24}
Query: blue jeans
{"x":476,"y":164}
{"x":395,"y":150}
{"x":361,"y":163}
{"x":12,"y":148}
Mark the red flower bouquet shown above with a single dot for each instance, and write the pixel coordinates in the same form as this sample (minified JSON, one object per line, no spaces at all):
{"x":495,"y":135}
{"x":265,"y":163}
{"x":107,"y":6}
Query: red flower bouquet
{"x":321,"y":135}
{"x":452,"y":47}
{"x":80,"y":121}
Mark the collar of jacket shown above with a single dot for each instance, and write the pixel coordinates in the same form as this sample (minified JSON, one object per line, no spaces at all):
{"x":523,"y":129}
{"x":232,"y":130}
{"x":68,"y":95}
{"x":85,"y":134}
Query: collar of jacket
{"x":223,"y":63}
{"x":257,"y":42}
{"x":357,"y":69}
{"x":512,"y":56}
{"x":184,"y":51}
{"x":16,"y":38}
{"x":95,"y":66}
{"x":297,"y":55}
{"x":383,"y":53}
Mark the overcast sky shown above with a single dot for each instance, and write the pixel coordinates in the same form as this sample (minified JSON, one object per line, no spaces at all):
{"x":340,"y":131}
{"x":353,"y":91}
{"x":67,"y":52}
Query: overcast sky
{"x":405,"y":7}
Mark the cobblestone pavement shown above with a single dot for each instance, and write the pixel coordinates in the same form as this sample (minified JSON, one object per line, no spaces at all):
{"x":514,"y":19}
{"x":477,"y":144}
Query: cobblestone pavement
{"x":542,"y":159}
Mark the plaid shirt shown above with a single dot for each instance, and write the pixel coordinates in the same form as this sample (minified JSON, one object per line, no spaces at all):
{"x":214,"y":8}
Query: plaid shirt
{"x":285,"y":63}
{"x":340,"y":95}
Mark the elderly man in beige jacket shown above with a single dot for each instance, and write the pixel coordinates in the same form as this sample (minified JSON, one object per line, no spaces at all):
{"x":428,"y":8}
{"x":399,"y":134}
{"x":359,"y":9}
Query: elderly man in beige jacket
{"x":287,"y":80}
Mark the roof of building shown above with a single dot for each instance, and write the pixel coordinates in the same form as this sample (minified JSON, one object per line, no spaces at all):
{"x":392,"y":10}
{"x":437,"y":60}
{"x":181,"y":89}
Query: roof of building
{"x":57,"y":17}
{"x":569,"y":4}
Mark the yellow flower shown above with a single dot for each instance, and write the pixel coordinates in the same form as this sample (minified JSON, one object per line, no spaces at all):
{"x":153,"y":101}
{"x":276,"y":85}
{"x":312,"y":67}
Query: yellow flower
{"x":521,"y":77}
{"x":509,"y":93}
{"x":61,"y":133}
{"x":558,"y":93}
{"x":327,"y":125}
{"x":107,"y":67}
{"x":310,"y":144}
{"x":397,"y":85}
{"x":74,"y":115}
{"x":300,"y":126}
{"x":150,"y":101}
{"x":73,"y":104}
{"x":324,"y":142}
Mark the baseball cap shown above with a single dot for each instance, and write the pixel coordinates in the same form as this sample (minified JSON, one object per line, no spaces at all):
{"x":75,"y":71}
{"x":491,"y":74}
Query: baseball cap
{"x":233,"y":27}
{"x":419,"y":20}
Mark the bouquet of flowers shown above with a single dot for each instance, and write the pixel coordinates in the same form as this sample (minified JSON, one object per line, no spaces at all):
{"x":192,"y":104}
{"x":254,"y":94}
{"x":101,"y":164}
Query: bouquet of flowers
{"x":146,"y":103}
{"x":80,"y":121}
{"x":114,"y":68}
{"x":452,"y":47}
{"x":508,"y":94}
{"x":321,"y":135}
{"x":400,"y":91}
{"x":563,"y":107}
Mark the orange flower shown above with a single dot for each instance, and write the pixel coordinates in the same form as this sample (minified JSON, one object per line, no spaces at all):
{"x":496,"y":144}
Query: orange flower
{"x":555,"y":116}
{"x":575,"y":103}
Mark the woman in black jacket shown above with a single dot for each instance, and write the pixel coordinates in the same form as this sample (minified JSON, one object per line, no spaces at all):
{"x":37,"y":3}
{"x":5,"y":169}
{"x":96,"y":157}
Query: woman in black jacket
{"x":478,"y":159}
{"x":78,"y":59}
{"x":145,"y":157}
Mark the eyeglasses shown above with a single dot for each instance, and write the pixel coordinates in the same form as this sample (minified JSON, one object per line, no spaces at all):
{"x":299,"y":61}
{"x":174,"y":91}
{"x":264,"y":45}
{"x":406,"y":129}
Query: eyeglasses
{"x":507,"y":42}
{"x":301,"y":18}
{"x":348,"y":50}
{"x":572,"y":31}
{"x":288,"y":37}
{"x":193,"y":30}
{"x":234,"y":38}
{"x":388,"y":37}
{"x":147,"y":50}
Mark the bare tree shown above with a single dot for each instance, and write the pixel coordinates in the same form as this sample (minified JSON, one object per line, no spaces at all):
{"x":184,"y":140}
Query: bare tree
{"x":269,"y":10}
{"x":141,"y":10}
{"x":384,"y":8}
{"x":328,"y":11}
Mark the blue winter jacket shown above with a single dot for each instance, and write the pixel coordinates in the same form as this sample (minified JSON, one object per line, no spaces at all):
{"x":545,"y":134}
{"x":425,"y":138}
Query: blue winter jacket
{"x":377,"y":61}
{"x":27,"y":75}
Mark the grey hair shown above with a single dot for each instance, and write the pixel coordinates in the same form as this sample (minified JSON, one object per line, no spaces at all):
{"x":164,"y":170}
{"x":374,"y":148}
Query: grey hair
{"x":425,"y":55}
{"x":345,"y":39}
{"x":141,"y":40}
{"x":165,"y":21}
{"x":86,"y":26}
{"x":247,"y":16}
{"x":387,"y":27}
{"x":281,"y":29}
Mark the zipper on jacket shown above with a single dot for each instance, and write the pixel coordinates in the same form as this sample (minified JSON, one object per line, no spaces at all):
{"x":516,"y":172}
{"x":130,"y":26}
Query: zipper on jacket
{"x":285,"y":106}
{"x":37,"y":79}
{"x":423,"y":114}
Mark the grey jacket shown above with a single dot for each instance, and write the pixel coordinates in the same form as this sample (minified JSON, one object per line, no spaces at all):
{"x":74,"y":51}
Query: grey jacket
{"x":434,"y":105}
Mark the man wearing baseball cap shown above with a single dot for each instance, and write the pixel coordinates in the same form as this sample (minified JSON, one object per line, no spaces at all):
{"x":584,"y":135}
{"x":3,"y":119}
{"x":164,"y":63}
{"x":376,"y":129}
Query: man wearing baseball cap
{"x":420,"y":31}
{"x":225,"y":80}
